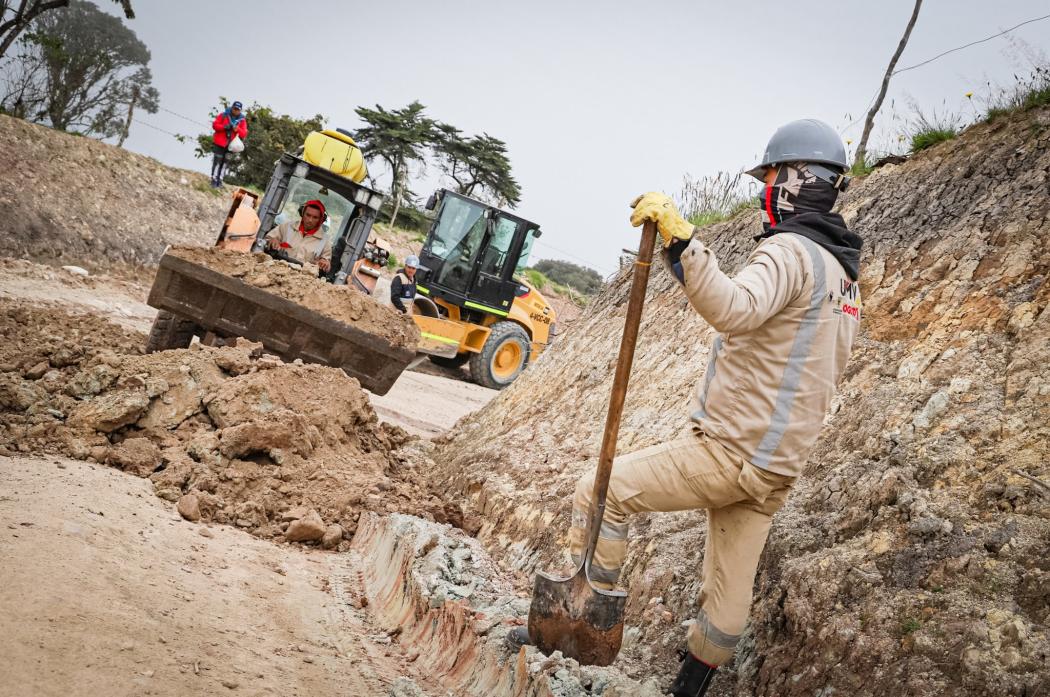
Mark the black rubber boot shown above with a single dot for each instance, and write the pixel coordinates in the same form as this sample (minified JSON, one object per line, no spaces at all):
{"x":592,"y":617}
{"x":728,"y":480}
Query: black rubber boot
{"x":693,"y":678}
{"x":518,"y":637}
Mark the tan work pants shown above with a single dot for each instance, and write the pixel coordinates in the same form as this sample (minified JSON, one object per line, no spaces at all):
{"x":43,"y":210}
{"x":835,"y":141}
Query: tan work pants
{"x":694,"y":471}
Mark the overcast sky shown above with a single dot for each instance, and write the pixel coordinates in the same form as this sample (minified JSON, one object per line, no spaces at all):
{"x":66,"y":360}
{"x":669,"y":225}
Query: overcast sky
{"x":597,"y":101}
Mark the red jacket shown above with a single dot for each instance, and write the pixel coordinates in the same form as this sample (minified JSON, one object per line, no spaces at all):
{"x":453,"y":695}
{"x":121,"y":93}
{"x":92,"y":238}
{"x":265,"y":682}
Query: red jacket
{"x":219,"y":125}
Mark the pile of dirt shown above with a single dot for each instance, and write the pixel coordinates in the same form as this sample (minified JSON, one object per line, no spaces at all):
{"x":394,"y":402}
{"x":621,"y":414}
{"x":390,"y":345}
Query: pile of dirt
{"x":913,"y":556}
{"x":302,"y":287}
{"x":77,"y":200}
{"x":230,"y":434}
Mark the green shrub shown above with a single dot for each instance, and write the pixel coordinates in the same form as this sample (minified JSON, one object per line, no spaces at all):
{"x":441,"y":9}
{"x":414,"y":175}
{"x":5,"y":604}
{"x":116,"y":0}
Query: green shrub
{"x":910,"y":625}
{"x":926,"y":131}
{"x":536,"y":278}
{"x":1027,"y":93}
{"x":712,"y":199}
{"x":860,"y":169}
{"x":920,"y":140}
{"x":709,"y":217}
{"x":391,"y":262}
{"x":584,"y":280}
{"x":408,"y":217}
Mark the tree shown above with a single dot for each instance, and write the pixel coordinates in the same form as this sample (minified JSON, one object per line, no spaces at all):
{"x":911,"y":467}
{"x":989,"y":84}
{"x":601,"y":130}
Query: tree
{"x":269,"y":136}
{"x":16,"y":16}
{"x":476,"y":162}
{"x":81,"y":69}
{"x":858,"y":161}
{"x":398,"y":137}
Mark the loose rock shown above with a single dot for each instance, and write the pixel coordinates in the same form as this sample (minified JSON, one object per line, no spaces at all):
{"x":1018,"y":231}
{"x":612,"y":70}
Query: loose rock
{"x":333,"y":535}
{"x":189,"y":508}
{"x":309,"y":528}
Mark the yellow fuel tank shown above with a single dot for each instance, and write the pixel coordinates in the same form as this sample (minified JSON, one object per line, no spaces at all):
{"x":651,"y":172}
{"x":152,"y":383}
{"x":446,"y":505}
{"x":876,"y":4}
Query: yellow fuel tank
{"x":336,"y":152}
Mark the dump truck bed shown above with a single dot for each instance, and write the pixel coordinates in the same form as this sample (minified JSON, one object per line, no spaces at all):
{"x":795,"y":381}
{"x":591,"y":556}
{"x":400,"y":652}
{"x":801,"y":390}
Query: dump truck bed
{"x":230,"y":307}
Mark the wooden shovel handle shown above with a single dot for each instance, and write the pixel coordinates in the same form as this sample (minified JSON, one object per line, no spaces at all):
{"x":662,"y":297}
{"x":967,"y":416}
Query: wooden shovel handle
{"x":619,"y":388}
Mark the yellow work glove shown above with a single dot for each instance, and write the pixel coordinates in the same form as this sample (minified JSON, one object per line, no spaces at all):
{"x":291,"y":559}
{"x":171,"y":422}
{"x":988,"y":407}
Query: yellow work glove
{"x":660,"y":209}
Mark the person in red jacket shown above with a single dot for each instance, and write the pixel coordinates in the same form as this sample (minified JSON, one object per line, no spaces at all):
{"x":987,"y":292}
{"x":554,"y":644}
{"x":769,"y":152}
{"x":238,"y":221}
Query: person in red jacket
{"x":228,"y":125}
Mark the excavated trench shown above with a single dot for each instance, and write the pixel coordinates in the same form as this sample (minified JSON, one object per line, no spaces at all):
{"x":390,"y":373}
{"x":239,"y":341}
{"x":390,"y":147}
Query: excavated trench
{"x":292,"y":453}
{"x":439,"y":593}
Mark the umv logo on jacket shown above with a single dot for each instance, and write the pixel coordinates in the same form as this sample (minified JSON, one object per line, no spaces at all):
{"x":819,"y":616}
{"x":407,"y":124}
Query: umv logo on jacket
{"x":848,"y":293}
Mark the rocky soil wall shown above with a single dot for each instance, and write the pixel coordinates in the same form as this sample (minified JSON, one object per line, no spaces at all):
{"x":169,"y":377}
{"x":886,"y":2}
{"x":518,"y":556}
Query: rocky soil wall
{"x":913,"y":558}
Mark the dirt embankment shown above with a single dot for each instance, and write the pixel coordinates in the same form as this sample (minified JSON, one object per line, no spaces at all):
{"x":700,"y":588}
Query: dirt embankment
{"x":246,"y":439}
{"x":74,"y":200}
{"x":914,"y":555}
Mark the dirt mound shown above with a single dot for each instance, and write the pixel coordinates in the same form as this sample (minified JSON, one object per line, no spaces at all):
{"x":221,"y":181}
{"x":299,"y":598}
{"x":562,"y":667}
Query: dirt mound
{"x":912,"y":557}
{"x":79,"y":201}
{"x":258,"y":443}
{"x":342,"y":303}
{"x":38,"y":337}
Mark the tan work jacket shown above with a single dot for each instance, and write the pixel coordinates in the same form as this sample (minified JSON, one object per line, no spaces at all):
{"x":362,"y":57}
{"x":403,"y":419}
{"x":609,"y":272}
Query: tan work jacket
{"x":787,"y":323}
{"x":306,"y":248}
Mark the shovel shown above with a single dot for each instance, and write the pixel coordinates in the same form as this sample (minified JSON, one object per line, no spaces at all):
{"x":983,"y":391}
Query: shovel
{"x":569,"y":614}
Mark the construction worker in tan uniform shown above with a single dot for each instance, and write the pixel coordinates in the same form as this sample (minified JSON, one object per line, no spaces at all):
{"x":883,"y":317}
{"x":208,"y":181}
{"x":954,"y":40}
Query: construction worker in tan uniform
{"x":305,"y":239}
{"x":786,"y":324}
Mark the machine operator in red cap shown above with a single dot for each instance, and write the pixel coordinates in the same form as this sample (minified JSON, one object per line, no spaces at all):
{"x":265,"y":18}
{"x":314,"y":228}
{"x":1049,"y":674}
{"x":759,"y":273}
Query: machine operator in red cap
{"x":304,"y":239}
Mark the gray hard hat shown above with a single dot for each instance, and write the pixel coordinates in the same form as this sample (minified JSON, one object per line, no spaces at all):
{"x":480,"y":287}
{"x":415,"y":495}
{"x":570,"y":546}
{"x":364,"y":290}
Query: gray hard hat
{"x":412,"y":261}
{"x":805,"y":140}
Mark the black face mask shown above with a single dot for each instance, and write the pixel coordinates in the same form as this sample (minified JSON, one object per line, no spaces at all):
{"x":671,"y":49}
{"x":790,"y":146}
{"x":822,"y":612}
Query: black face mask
{"x":796,"y":190}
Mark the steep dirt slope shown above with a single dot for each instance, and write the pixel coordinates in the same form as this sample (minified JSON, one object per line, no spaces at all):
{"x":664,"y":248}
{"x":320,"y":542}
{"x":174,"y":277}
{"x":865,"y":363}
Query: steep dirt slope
{"x":71,"y":200}
{"x":914,"y":556}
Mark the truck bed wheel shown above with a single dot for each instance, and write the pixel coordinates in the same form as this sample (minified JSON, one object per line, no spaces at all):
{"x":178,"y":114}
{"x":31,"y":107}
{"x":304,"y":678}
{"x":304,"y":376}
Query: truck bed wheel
{"x":170,"y":332}
{"x":502,"y":358}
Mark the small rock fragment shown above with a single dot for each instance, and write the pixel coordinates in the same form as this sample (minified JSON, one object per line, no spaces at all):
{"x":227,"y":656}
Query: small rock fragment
{"x":189,"y":507}
{"x":37,"y":371}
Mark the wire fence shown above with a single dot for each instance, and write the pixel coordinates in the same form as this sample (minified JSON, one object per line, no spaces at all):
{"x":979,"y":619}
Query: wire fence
{"x":898,"y":71}
{"x":182,"y":138}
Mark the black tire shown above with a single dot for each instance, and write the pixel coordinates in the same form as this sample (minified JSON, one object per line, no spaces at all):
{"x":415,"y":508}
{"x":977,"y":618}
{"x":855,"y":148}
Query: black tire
{"x":457,"y":361}
{"x":483,"y":369}
{"x":170,"y":332}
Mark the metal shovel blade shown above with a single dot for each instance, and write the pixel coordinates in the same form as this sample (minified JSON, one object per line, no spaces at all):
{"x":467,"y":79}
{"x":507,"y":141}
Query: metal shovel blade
{"x":572,"y":616}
